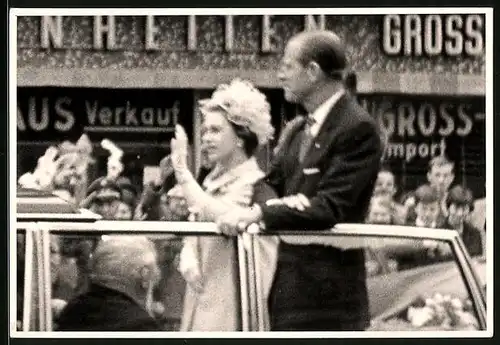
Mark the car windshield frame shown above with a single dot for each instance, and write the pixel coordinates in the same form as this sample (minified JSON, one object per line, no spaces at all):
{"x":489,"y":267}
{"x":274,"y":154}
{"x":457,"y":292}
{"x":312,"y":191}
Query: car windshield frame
{"x":252,"y":311}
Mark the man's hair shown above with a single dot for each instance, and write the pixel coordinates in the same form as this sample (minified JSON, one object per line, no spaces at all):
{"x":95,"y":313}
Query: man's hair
{"x":250,"y":140}
{"x":440,"y":161}
{"x":325,"y":48}
{"x":426,"y":194}
{"x":386,"y":169}
{"x":117,"y":260}
{"x":460,"y":196}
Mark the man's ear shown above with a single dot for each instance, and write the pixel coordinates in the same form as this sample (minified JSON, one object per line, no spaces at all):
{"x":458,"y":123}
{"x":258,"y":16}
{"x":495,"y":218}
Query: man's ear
{"x":314,"y":71}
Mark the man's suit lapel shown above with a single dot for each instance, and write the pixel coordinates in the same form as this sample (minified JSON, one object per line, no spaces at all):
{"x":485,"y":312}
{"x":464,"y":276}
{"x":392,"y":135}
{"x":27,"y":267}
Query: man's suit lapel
{"x":324,"y":137}
{"x":321,"y":143}
{"x":288,"y":134}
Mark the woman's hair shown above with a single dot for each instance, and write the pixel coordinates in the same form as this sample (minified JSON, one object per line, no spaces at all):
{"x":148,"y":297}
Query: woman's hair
{"x":246,"y":109}
{"x":250,"y":141}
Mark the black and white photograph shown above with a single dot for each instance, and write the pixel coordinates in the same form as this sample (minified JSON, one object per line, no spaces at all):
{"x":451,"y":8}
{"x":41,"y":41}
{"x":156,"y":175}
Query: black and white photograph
{"x":322,"y":172}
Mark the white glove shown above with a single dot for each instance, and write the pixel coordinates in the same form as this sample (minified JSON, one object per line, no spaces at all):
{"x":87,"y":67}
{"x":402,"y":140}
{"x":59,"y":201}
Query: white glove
{"x":57,"y":306}
{"x":114,"y":150}
{"x":189,"y":266}
{"x":179,"y":154}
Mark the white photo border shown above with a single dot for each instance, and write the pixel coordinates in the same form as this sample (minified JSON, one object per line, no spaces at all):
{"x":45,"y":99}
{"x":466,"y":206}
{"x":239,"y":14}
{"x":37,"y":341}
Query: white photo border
{"x":489,"y":47}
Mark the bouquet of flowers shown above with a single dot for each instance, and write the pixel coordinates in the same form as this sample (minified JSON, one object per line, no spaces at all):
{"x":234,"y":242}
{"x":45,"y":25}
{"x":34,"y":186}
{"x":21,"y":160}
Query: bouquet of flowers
{"x":434,"y":313}
{"x":446,"y":312}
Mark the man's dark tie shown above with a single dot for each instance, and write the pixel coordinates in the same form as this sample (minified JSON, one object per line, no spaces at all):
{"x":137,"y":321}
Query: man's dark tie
{"x":307,"y":137}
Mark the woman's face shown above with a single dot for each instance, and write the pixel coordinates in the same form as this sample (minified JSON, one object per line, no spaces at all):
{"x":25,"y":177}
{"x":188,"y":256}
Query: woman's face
{"x":385,"y":184}
{"x":219,"y":141}
{"x":105,"y":207}
{"x":123,"y":211}
{"x":70,"y":173}
{"x":379,"y":214}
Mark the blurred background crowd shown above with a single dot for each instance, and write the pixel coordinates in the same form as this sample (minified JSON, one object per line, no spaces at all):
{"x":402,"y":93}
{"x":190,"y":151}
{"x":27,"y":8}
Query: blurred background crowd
{"x":440,"y":202}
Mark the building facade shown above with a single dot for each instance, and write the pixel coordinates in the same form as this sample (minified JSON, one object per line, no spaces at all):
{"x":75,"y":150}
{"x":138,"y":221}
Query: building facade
{"x":132,"y":78}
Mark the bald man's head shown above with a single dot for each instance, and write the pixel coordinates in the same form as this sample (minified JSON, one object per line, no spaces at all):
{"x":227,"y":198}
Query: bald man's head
{"x":127,"y":264}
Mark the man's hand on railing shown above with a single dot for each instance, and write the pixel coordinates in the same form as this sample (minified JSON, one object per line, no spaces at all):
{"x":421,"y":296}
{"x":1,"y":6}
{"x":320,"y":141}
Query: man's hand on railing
{"x":299,"y":202}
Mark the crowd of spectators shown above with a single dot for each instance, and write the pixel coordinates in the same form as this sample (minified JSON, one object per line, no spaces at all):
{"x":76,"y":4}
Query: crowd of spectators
{"x":439,"y":203}
{"x":63,"y":170}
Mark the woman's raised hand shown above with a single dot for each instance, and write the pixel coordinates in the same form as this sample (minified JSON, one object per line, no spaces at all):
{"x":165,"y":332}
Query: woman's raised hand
{"x":179,"y":151}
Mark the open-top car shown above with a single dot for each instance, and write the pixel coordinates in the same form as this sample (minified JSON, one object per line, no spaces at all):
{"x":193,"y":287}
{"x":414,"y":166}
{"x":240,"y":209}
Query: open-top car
{"x":416,"y":280}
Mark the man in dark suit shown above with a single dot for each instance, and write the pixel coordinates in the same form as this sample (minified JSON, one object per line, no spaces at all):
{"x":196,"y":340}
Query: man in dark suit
{"x":124,"y":272}
{"x":324,"y":171}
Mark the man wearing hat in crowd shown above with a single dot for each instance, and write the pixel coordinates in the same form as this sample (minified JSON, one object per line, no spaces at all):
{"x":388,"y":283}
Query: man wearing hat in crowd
{"x":114,"y":191}
{"x":123,"y":274}
{"x":324,"y":173}
{"x":102,"y":194}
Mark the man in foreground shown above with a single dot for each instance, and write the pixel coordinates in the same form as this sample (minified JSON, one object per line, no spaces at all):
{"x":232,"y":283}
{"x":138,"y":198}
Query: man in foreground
{"x":124,"y":272}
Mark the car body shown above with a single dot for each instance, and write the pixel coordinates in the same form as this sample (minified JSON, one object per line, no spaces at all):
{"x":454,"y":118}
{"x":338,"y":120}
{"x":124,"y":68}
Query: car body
{"x":394,"y":294}
{"x":34,"y":205}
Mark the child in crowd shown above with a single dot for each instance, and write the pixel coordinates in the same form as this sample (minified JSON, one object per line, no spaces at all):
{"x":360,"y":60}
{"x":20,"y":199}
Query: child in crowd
{"x":440,"y":176}
{"x":386,"y":186}
{"x":380,"y":210}
{"x":460,"y":203}
{"x":427,"y":208}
